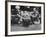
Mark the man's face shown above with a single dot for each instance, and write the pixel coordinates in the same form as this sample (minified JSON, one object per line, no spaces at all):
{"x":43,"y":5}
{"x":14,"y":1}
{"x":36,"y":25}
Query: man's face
{"x":34,"y":9}
{"x":17,"y":7}
{"x":25,"y":11}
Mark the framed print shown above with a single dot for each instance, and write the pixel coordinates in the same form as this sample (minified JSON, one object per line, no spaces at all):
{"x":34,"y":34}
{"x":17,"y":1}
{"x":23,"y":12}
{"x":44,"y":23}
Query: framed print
{"x":24,"y":18}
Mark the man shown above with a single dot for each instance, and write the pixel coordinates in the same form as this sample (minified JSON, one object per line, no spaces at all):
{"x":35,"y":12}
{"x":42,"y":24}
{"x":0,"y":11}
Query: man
{"x":14,"y":12}
{"x":26,"y":19}
{"x":18,"y":9}
{"x":34,"y":15}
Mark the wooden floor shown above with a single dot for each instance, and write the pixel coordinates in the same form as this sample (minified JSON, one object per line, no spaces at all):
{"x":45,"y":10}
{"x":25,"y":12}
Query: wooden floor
{"x":21,"y":28}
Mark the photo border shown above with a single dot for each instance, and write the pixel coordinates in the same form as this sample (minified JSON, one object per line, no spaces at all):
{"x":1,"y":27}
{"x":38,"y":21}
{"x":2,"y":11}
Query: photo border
{"x":6,"y":16}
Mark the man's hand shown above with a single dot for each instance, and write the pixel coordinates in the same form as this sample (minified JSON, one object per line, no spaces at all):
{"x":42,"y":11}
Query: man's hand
{"x":18,"y":15}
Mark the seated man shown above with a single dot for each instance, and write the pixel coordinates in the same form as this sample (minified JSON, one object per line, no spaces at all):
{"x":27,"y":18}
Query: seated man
{"x":34,"y":15}
{"x":26,"y":19}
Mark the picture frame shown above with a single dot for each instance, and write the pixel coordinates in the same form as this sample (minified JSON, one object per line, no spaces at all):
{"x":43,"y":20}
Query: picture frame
{"x":8,"y":10}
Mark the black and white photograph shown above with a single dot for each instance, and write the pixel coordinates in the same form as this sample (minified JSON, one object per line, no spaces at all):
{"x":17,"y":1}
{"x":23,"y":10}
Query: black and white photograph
{"x":25,"y":18}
